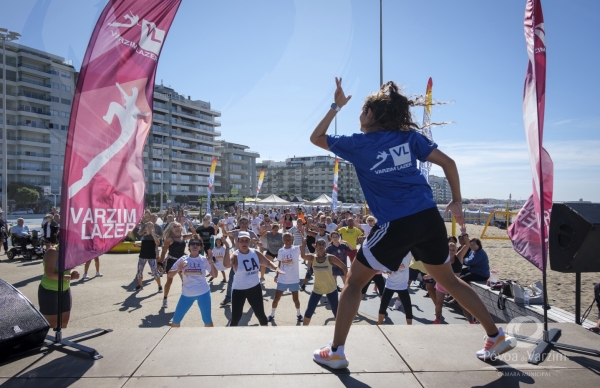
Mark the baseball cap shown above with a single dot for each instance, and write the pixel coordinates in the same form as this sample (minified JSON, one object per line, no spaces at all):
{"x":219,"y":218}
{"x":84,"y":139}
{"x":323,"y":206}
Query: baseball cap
{"x":243,"y":235}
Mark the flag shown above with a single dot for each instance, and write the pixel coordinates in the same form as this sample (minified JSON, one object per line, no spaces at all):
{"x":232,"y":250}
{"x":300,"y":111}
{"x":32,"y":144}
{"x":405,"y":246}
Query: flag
{"x":335,"y":186}
{"x":529,"y":232}
{"x":425,"y":167}
{"x":260,"y":181}
{"x":211,"y":181}
{"x":103,"y":180}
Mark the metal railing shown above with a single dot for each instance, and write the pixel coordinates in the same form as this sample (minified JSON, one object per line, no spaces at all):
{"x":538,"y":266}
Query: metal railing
{"x":27,"y":138}
{"x":37,"y":96}
{"x":35,"y":82}
{"x":33,"y":67}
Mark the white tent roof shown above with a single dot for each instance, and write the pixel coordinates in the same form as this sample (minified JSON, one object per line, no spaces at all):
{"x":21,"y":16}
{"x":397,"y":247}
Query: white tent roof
{"x":274,"y":201}
{"x":323,"y":199}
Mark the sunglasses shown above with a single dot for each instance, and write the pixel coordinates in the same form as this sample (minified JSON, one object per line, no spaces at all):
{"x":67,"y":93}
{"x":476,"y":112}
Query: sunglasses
{"x":197,"y":244}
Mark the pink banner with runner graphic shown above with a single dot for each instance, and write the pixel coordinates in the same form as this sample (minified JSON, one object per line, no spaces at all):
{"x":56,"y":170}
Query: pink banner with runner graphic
{"x":529,"y":232}
{"x":103,"y":184}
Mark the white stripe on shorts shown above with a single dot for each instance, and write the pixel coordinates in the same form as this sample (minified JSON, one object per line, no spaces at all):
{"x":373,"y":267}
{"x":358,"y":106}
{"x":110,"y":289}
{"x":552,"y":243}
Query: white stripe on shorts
{"x":378,"y":235}
{"x":372,"y":260}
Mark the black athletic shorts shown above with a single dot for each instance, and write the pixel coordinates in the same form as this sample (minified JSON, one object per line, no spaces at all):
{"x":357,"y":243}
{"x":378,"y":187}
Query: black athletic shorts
{"x":48,"y":301}
{"x":170,"y":263}
{"x":424,"y":234}
{"x":273,"y":255}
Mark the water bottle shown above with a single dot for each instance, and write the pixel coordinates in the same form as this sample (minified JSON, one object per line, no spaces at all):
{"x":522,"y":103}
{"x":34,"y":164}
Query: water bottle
{"x":526,"y":296}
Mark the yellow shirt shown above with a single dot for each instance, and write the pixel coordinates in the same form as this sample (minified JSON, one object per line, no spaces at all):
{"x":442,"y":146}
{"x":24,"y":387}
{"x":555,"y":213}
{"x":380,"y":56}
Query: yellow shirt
{"x":350,"y":235}
{"x":324,"y":281}
{"x":418,"y":265}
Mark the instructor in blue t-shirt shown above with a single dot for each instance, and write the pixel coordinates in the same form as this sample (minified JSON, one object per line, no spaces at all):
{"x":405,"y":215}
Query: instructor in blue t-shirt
{"x":385,"y":156}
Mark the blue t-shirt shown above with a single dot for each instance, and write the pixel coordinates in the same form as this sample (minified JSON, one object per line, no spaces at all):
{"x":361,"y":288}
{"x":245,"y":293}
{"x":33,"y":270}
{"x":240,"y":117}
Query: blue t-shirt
{"x":386,"y":165}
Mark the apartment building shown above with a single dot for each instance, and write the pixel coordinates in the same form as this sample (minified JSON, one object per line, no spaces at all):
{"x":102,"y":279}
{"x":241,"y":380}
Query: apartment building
{"x":309,"y":177}
{"x":237,"y":170}
{"x":39,"y":93}
{"x":181,"y":145}
{"x":441,"y":189}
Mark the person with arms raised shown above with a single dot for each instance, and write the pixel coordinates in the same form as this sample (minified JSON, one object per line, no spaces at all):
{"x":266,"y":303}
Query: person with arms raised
{"x":385,"y":156}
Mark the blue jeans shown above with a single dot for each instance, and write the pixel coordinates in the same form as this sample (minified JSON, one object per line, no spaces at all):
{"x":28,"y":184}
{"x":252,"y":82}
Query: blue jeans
{"x":185,"y":302}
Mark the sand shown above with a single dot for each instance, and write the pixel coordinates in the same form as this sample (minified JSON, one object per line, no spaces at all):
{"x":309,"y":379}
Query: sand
{"x":561,"y":286}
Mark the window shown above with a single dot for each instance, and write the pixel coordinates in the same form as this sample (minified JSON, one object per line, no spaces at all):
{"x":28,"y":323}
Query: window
{"x":65,"y":114}
{"x":53,"y":72}
{"x":54,"y":85}
{"x":65,"y":88}
{"x":64,"y":127}
{"x":54,"y":112}
{"x":65,"y":101}
{"x":65,"y":75}
{"x":54,"y":99}
{"x":53,"y":126}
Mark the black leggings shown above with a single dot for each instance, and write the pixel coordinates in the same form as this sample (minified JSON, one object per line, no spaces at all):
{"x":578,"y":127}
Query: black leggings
{"x":404,"y":298}
{"x":472,"y":277}
{"x":379,"y":282}
{"x":254,"y":296}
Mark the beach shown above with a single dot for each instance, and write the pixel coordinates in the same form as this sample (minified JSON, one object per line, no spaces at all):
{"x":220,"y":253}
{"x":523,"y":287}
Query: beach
{"x":511,"y":265}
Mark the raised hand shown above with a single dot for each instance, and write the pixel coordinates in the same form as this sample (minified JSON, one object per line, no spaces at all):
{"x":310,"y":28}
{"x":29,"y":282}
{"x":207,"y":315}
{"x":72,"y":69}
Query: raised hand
{"x":339,"y":97}
{"x":456,"y":209}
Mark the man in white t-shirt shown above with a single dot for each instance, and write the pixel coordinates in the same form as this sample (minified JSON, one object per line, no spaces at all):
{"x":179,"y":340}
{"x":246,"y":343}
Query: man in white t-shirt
{"x":228,"y":220}
{"x":255,"y":223}
{"x":289,"y":279}
{"x":331,"y":226}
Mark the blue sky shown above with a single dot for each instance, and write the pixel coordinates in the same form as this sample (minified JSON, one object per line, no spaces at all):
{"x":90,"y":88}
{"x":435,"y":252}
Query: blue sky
{"x":269,"y":66}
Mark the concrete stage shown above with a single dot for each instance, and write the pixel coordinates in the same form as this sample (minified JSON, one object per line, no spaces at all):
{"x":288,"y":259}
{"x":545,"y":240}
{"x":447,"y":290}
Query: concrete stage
{"x":380,"y":356}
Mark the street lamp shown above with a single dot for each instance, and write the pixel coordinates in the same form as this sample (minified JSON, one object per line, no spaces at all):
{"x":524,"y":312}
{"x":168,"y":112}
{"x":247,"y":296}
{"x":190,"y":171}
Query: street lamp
{"x":5,"y":35}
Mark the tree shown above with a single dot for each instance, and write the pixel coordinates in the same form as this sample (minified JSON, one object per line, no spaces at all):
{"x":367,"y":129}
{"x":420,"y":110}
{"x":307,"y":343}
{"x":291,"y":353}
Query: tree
{"x":13,"y":188}
{"x":157,"y":196}
{"x":183,"y":199}
{"x":25,"y":195}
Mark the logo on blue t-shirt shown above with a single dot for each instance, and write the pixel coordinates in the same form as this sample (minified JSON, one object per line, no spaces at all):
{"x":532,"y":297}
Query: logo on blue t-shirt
{"x":400,"y":155}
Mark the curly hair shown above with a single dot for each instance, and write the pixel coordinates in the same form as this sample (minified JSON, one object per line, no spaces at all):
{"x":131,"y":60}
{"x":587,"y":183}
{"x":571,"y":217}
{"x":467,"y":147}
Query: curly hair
{"x":391,"y":109}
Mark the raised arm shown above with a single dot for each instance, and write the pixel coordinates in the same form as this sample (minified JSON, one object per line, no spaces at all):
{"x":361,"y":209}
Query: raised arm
{"x":335,"y":261}
{"x":267,"y":263}
{"x":226,"y":258}
{"x":319,"y":135}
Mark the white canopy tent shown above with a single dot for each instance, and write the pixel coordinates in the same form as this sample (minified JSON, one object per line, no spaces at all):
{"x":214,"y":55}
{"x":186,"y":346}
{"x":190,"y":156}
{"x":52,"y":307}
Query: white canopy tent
{"x":273,"y":200}
{"x":323,"y":200}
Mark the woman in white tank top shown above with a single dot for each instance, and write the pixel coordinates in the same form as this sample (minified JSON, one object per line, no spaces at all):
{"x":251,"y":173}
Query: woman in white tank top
{"x":246,"y":263}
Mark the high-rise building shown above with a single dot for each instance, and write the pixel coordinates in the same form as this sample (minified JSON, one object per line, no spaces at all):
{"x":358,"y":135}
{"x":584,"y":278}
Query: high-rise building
{"x":441,"y":189}
{"x":39,"y":94}
{"x":237,"y":170}
{"x":181,"y":145}
{"x":309,"y":177}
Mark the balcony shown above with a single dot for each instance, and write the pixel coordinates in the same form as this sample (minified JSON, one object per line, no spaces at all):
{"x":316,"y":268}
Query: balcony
{"x":31,"y":81}
{"x":29,"y":154}
{"x":36,"y":96}
{"x":27,"y":138}
{"x":33,"y":109}
{"x":33,"y":170}
{"x":192,"y":157}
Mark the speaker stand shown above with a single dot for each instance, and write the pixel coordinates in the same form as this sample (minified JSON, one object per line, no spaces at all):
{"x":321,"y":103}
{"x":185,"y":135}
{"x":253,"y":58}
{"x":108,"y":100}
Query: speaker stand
{"x":578,"y":298}
{"x":58,"y":341}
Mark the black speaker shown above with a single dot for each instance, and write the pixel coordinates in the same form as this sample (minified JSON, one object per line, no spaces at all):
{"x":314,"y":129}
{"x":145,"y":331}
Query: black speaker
{"x":574,"y":244}
{"x":22,"y":326}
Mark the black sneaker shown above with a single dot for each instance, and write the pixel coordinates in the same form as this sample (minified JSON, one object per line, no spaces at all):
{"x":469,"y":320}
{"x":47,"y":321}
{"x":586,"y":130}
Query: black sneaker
{"x":339,"y":289}
{"x":225,"y":302}
{"x":160,"y":289}
{"x":300,"y":318}
{"x":139,"y":288}
{"x":270,"y":318}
